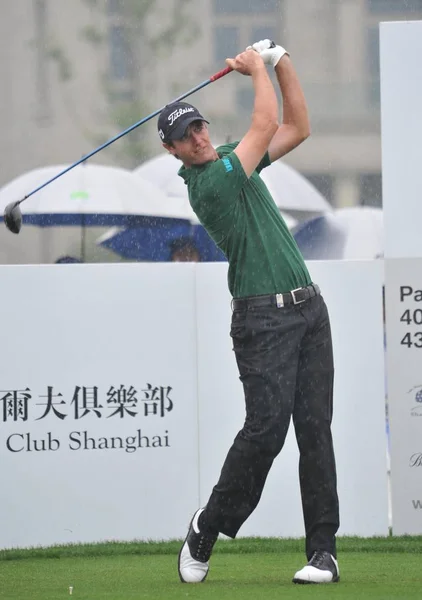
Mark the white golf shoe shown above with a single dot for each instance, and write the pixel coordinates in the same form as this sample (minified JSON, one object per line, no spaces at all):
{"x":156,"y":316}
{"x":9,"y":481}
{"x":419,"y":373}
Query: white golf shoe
{"x":195,"y":553}
{"x":322,"y":568}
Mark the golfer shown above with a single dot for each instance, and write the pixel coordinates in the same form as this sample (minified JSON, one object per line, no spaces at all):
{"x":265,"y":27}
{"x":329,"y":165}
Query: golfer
{"x":280,"y":324}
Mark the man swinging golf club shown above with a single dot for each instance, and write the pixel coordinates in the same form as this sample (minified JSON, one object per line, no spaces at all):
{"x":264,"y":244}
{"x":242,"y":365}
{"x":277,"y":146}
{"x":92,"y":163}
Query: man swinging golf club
{"x":280,"y":324}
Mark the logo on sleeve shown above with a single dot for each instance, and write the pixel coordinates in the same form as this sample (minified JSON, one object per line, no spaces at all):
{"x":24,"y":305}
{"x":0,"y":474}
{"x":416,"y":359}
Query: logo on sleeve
{"x":227,"y":164}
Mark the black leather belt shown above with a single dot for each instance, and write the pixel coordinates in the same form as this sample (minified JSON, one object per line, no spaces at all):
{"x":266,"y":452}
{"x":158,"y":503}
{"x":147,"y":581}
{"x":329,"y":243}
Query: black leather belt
{"x":294,"y":297}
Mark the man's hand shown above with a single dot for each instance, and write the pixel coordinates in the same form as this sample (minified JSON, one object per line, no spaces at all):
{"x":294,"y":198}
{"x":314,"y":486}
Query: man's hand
{"x":247,"y":62}
{"x":269,"y":51}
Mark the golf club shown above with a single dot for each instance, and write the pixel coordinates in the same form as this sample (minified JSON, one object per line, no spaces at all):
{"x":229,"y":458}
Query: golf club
{"x":12,"y":212}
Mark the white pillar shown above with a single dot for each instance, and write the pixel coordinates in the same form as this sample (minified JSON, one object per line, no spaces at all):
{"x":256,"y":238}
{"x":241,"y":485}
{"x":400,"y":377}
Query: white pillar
{"x":401,"y":101}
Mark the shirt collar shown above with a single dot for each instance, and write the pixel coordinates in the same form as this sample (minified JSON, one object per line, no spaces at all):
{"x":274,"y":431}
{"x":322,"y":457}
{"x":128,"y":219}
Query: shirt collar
{"x":186,"y":173}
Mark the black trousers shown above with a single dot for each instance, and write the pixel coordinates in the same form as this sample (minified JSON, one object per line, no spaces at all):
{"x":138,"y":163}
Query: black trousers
{"x":285,"y":361}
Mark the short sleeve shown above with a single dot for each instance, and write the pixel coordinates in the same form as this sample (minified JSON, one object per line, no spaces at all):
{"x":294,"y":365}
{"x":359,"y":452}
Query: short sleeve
{"x":265,"y":162}
{"x":226,"y":148}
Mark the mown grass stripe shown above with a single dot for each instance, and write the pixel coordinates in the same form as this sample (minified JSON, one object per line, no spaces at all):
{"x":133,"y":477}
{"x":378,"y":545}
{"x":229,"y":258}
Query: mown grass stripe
{"x":408,"y":544}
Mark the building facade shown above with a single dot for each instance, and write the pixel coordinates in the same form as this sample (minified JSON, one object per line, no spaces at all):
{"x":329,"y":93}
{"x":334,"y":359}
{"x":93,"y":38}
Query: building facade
{"x":73,"y":74}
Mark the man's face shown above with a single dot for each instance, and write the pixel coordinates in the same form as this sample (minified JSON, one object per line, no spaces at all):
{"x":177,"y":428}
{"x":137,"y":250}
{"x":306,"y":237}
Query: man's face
{"x":195,"y":147}
{"x":185,"y":255}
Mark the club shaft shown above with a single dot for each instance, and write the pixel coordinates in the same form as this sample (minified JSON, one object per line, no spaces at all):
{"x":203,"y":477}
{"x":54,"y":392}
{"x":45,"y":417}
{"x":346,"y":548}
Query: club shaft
{"x":129,"y":129}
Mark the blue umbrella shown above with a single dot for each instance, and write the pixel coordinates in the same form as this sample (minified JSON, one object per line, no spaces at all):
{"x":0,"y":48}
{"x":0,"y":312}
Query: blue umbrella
{"x":156,"y":244}
{"x":94,"y":195}
{"x":346,"y":233}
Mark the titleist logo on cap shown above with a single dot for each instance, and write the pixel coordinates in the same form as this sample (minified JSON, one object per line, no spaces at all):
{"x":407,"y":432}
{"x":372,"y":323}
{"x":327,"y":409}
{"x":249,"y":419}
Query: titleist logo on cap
{"x":178,"y":113}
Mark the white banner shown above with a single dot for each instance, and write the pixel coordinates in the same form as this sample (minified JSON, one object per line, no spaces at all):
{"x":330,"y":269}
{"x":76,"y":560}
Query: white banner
{"x":404,"y":355}
{"x":102,"y":371}
{"x":98,"y":410}
{"x":353,"y":291}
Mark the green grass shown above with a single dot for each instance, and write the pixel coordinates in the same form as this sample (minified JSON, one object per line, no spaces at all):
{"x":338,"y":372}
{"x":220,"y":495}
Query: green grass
{"x":246,"y":569}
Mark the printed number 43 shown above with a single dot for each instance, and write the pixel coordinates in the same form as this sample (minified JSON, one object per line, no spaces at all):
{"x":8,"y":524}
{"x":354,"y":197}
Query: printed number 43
{"x":410,"y":340}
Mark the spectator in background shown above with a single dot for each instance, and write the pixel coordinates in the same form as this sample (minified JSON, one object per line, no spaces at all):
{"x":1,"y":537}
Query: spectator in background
{"x":184,"y":250}
{"x":67,"y":260}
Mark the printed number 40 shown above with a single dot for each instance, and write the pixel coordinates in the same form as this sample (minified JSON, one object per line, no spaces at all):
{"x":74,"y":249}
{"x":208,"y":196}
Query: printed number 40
{"x":416,"y":341}
{"x":410,"y":316}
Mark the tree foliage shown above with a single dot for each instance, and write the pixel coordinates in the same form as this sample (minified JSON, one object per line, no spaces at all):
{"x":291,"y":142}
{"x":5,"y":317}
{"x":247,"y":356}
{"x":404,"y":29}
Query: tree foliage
{"x":126,"y":101}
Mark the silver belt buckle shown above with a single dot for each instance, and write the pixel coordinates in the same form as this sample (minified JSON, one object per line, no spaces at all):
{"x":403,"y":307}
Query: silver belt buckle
{"x":294,"y":297}
{"x":279,"y":300}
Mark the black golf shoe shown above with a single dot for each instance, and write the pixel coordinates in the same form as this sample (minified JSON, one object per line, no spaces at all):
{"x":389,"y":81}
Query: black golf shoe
{"x":322,"y":568}
{"x":195,"y":552}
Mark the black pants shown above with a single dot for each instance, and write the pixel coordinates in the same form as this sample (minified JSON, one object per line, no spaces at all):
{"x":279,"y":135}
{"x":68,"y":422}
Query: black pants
{"x":285,"y":361}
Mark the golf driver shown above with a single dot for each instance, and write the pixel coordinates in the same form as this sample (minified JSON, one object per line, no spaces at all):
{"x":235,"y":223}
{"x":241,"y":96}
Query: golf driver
{"x":12,"y":212}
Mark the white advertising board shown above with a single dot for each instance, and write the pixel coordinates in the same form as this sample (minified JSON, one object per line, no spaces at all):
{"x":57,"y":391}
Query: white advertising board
{"x":98,"y":408}
{"x":120,"y":397}
{"x":353,"y":291}
{"x":404,"y":359}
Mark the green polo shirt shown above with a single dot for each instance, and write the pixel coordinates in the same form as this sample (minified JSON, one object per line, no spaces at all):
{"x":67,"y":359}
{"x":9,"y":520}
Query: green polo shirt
{"x":245,"y":223}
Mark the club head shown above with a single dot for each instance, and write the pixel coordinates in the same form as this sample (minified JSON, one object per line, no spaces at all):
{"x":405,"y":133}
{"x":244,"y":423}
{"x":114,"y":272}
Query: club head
{"x":13,"y":217}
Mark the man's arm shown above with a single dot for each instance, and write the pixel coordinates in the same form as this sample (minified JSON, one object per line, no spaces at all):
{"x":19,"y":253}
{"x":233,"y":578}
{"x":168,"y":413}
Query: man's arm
{"x":295,"y":127}
{"x":264,"y":125}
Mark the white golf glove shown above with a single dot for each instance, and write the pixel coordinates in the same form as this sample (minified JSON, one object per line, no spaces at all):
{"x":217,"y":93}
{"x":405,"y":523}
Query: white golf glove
{"x":269,"y":51}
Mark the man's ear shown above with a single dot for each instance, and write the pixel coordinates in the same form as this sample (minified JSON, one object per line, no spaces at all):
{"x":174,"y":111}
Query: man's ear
{"x":170,"y":148}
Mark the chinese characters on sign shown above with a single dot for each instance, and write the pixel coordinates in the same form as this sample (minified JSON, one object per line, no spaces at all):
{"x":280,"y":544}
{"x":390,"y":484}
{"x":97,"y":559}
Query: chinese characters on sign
{"x":119,"y":402}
